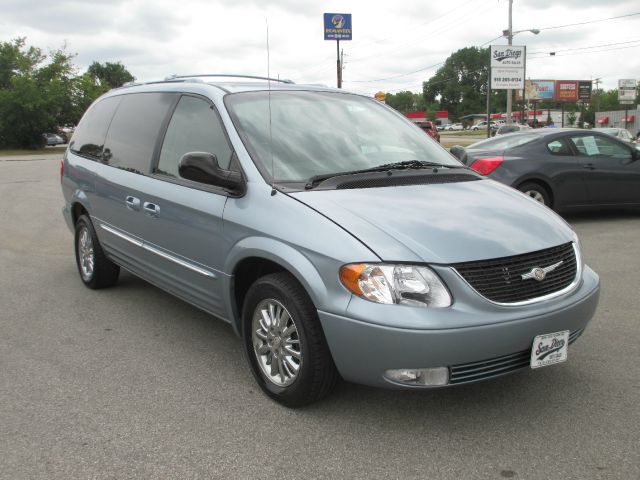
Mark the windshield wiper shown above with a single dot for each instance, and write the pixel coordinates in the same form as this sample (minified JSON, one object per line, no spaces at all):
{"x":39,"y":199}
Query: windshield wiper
{"x":407,"y":164}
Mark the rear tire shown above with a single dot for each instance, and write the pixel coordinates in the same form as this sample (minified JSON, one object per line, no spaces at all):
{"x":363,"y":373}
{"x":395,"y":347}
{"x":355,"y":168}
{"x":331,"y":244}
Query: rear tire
{"x":284,"y":342}
{"x":95,"y":269}
{"x":537,"y":192}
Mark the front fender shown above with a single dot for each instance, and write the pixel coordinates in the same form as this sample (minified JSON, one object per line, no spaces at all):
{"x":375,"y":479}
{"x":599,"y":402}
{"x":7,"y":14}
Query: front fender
{"x":332,"y":298}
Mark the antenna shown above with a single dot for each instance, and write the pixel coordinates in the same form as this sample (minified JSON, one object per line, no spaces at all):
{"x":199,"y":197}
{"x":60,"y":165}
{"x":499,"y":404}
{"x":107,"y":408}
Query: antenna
{"x":273,"y":176}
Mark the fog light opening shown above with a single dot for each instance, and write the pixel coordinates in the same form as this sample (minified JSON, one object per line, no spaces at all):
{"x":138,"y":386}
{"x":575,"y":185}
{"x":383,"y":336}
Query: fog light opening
{"x":425,"y":377}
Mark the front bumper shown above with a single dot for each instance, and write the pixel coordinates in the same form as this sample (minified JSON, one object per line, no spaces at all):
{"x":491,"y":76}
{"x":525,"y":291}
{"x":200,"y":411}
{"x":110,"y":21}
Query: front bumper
{"x":363,"y":350}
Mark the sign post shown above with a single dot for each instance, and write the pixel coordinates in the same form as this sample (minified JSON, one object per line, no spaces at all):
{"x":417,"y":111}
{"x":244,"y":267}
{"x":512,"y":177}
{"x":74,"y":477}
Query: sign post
{"x":337,"y":26}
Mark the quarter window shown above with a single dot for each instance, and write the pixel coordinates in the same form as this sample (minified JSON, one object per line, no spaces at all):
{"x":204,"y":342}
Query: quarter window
{"x":194,"y":127}
{"x":559,"y":147}
{"x":88,"y":139}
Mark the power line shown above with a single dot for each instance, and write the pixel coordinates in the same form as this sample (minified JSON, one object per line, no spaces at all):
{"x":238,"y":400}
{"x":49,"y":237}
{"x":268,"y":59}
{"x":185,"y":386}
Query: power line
{"x":585,"y":53}
{"x":591,"y":21}
{"x":583,"y":48}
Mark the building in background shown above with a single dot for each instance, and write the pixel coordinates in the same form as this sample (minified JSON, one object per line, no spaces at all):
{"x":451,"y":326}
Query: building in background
{"x":616,"y":118}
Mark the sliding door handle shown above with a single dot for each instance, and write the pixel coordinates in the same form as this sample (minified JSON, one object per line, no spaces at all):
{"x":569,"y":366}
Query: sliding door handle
{"x":151,"y":209}
{"x":132,"y":203}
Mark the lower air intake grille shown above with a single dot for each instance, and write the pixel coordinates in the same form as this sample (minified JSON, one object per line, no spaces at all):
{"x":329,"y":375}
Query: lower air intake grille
{"x":500,"y":280}
{"x":495,"y":367}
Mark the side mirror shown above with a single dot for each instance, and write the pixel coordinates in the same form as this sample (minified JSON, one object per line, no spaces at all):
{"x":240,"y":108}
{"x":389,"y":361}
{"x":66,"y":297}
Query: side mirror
{"x":459,"y":152}
{"x":203,"y":167}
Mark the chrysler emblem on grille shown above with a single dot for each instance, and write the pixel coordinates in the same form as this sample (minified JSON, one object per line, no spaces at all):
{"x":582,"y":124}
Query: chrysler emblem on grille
{"x":540,"y":273}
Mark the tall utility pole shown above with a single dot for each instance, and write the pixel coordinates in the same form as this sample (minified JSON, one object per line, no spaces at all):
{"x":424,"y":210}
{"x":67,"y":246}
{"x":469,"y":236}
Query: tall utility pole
{"x":597,"y":81}
{"x":510,"y":39}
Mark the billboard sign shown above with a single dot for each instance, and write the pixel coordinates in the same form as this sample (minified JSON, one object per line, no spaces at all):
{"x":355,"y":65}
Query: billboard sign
{"x":507,"y":56}
{"x":627,"y":90}
{"x":584,"y":91}
{"x":337,"y":26}
{"x":539,"y":90}
{"x":566,"y":91}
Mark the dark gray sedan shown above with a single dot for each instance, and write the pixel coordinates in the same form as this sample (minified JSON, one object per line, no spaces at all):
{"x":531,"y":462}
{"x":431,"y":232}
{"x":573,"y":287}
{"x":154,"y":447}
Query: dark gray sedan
{"x":561,"y":168}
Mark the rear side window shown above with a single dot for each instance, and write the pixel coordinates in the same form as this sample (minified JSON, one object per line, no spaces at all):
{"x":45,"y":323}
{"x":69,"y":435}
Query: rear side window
{"x":88,"y":139}
{"x":134,"y":130}
{"x":194,"y":127}
{"x":559,"y":147}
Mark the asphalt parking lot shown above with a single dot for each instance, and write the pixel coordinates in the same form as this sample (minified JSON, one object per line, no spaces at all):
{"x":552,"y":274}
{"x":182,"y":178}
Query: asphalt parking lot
{"x":130,"y":382}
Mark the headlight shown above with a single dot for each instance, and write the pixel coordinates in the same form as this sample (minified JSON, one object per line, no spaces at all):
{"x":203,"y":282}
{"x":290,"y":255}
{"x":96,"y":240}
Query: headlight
{"x":404,"y":284}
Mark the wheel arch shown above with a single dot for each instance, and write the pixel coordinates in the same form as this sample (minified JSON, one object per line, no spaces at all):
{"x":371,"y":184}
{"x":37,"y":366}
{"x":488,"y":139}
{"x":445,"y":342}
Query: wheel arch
{"x":255,"y":257}
{"x":77,"y":209}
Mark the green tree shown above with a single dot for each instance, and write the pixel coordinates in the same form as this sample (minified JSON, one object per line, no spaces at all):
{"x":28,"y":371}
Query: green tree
{"x":402,"y":101}
{"x":111,"y":75}
{"x":39,"y":92}
{"x":35,"y":93}
{"x":460,"y":85}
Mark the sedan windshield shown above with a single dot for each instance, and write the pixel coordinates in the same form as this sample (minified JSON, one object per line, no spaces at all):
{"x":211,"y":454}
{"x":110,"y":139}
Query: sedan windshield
{"x":297,"y":135}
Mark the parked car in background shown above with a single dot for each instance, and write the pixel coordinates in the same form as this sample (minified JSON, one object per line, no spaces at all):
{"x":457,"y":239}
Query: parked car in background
{"x":483,"y":125}
{"x":430,"y":129}
{"x":454,"y":126}
{"x":514,"y":127}
{"x":336,"y":239}
{"x":561,"y":168}
{"x":53,"y":139}
{"x":620,"y":133}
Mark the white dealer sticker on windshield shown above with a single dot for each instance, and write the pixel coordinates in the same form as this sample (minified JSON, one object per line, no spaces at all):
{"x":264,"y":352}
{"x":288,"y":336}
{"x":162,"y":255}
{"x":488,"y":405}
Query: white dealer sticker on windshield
{"x":549,"y":349}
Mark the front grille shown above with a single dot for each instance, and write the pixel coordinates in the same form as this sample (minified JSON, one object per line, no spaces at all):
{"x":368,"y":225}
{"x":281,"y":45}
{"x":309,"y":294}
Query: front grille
{"x":500,"y":279}
{"x":495,"y":367}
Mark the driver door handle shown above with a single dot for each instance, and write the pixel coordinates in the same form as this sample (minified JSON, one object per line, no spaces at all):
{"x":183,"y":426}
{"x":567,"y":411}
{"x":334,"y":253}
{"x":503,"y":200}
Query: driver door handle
{"x":589,"y":166}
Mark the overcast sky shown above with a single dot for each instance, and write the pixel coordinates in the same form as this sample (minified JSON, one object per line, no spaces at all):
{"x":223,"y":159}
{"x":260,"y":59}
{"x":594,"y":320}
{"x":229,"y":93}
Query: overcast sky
{"x":391,"y":40}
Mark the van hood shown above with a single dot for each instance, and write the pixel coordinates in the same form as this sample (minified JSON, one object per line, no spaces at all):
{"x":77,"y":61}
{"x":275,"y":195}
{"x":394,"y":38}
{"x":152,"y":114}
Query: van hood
{"x":442,"y":223}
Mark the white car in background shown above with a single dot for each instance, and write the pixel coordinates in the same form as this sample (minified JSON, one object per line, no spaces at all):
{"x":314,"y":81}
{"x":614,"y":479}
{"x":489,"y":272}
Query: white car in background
{"x":454,"y":126}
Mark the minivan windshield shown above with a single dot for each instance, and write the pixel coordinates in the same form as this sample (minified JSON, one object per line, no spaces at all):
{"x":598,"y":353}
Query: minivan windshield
{"x":297,"y":135}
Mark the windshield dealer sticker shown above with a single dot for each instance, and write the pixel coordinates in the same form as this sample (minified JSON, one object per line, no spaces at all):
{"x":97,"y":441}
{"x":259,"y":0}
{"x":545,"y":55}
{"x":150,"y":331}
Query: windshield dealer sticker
{"x":549,"y":349}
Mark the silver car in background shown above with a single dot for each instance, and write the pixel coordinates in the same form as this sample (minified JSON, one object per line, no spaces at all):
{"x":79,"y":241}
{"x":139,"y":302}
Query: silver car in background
{"x":334,"y":236}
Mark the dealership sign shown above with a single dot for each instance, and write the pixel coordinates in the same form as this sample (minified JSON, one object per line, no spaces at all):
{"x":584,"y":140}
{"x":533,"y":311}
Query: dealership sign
{"x":507,"y":56}
{"x":337,"y":26}
{"x":627,"y":91}
{"x":507,"y":67}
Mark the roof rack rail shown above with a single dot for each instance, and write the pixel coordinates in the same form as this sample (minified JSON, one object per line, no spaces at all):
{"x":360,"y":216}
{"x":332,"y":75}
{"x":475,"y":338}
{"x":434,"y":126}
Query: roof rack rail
{"x":253,"y":77}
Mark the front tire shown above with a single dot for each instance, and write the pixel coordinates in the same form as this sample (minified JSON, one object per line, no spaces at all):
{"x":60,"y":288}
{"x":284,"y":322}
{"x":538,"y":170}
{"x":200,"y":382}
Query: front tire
{"x":95,"y":269}
{"x":284,"y":342}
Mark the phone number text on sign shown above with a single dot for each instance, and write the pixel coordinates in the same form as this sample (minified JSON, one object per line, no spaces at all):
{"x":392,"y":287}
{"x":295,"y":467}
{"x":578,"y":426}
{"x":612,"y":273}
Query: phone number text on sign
{"x":502,"y":78}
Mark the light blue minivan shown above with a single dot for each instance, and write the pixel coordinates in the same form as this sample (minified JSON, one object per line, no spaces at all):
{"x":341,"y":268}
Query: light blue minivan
{"x":336,"y":237}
